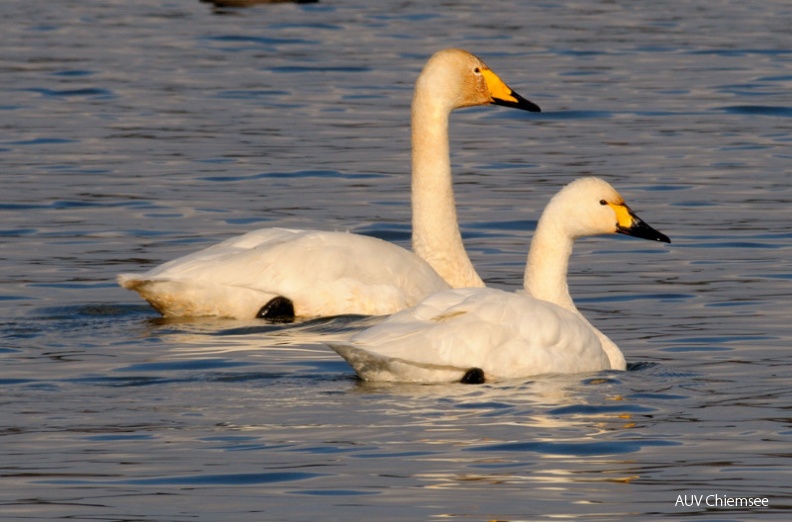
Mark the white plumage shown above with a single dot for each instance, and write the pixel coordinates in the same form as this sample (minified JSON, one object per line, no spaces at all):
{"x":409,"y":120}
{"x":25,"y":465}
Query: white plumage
{"x":506,"y":335}
{"x":329,"y":273}
{"x":451,"y":332}
{"x":322,"y":273}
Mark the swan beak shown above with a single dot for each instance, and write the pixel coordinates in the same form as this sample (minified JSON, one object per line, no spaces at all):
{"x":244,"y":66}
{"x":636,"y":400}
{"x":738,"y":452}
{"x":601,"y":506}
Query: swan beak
{"x":630,"y":224}
{"x":502,"y":94}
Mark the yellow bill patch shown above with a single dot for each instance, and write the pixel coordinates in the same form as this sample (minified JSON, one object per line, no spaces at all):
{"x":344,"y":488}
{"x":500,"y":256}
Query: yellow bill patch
{"x":623,"y":215}
{"x":496,"y":87}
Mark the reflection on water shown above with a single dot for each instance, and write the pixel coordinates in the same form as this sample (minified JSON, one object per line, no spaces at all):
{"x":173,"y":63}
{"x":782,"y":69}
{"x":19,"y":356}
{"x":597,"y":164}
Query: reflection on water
{"x":135,"y":133}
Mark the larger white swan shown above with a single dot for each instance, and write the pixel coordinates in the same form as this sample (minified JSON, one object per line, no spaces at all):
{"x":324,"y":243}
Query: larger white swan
{"x":279,"y":273}
{"x":478,"y":334}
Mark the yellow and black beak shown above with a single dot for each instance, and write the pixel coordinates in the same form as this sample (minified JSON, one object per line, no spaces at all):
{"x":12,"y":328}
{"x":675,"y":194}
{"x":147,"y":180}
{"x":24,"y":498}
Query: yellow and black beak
{"x":502,"y":94}
{"x":630,"y":224}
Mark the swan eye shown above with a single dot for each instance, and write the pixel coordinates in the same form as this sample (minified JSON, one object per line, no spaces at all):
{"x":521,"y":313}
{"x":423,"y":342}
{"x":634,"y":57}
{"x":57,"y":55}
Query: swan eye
{"x":603,"y":202}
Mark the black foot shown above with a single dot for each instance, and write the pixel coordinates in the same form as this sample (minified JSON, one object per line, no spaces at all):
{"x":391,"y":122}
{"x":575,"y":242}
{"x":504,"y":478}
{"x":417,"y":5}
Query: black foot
{"x":278,"y":310}
{"x":473,"y":376}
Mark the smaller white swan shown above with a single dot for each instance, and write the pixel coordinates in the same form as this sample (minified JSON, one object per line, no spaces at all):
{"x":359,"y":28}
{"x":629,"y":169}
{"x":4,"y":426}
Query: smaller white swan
{"x":279,"y":274}
{"x":484,"y":334}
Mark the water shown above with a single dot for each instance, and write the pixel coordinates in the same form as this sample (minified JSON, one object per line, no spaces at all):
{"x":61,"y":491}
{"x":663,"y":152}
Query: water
{"x":135,"y":132}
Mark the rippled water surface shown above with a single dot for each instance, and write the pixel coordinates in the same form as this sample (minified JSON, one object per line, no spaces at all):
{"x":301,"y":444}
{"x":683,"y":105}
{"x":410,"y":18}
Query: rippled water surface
{"x":135,"y":132}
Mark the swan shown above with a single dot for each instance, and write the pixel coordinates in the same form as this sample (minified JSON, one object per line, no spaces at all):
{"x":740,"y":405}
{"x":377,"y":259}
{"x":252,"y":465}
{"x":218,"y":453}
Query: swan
{"x":279,"y":274}
{"x":483,"y":334}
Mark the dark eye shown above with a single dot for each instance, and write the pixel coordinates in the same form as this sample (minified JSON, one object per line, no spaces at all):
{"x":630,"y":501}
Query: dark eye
{"x":603,"y":202}
{"x":477,"y":70}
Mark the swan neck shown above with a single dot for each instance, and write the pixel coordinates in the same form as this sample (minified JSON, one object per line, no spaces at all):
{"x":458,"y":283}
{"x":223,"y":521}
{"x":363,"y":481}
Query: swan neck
{"x":546,"y":278}
{"x":548,"y":264}
{"x":436,"y":236}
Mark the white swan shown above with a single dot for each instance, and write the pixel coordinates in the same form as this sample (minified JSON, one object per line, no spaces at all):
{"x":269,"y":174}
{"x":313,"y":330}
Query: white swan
{"x":279,"y":274}
{"x":478,"y":334}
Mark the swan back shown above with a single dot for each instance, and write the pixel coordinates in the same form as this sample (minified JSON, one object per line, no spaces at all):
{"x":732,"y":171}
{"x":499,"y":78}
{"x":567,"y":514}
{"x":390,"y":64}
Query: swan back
{"x":353,"y":274}
{"x":506,"y":335}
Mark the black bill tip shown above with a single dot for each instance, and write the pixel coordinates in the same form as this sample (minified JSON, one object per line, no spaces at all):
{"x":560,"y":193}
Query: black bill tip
{"x":518,"y":103}
{"x":643,"y":231}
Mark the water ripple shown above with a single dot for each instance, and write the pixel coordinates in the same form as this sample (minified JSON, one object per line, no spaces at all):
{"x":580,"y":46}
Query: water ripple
{"x":758,"y":110}
{"x":231,"y":479}
{"x":321,"y":174}
{"x":579,"y":449}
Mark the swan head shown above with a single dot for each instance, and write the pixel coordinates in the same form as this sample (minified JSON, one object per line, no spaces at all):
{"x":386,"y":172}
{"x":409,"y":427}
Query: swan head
{"x":459,"y":79}
{"x":591,"y":206}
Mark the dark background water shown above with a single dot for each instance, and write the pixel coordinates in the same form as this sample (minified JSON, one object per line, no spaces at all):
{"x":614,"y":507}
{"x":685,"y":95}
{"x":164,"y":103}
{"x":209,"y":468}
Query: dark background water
{"x":135,"y":132}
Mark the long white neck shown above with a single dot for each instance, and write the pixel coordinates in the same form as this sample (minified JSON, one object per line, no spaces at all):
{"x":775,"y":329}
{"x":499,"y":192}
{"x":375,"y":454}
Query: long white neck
{"x":548,"y":263}
{"x":436,"y":236}
{"x":546,"y":277}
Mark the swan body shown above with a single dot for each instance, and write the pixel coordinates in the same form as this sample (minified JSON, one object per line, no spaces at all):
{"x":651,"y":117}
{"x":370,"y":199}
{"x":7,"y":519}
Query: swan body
{"x":447,"y":334}
{"x":506,"y":335}
{"x":280,"y":274}
{"x":238,"y":276}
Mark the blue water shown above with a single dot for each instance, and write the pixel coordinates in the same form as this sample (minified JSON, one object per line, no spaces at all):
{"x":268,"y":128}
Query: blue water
{"x":135,"y":132}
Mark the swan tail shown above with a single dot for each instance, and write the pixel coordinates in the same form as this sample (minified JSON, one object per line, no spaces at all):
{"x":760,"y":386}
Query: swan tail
{"x":375,"y":367}
{"x":129,"y":281}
